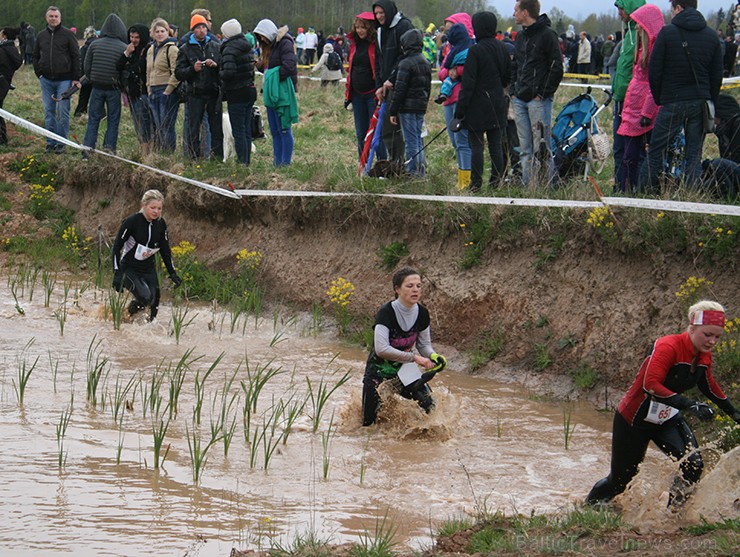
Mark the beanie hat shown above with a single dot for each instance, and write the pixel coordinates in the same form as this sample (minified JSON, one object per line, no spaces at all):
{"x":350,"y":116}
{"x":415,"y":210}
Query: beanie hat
{"x":231,"y":28}
{"x":300,"y":29}
{"x":197,"y":20}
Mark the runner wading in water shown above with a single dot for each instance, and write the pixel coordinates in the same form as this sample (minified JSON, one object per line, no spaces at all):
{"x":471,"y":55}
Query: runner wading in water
{"x":651,"y":409}
{"x":140,"y":237}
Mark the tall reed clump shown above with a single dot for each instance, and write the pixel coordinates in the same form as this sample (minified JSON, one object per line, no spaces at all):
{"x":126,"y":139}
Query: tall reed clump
{"x":160,"y":424}
{"x":117,"y":302}
{"x":61,"y":431}
{"x":380,"y":542}
{"x":181,"y":318}
{"x":257,"y":377}
{"x":200,"y":388}
{"x":198,"y":452}
{"x":176,"y":376}
{"x":320,"y":394}
{"x":568,"y":426}
{"x":24,"y":371}
{"x":97,"y":366}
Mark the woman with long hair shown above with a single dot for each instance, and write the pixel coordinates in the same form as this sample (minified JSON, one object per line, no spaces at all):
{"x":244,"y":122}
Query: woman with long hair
{"x":161,"y":59}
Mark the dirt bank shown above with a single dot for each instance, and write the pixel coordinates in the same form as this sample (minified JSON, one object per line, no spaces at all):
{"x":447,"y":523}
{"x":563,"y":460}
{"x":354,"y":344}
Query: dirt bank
{"x":583,"y":305}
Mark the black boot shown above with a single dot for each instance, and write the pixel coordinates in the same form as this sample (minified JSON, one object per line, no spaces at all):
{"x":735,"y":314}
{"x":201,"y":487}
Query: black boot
{"x":134,"y":307}
{"x":153,"y":313}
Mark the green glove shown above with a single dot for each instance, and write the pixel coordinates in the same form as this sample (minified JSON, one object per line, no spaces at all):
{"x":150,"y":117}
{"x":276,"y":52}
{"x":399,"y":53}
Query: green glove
{"x":439,"y":362}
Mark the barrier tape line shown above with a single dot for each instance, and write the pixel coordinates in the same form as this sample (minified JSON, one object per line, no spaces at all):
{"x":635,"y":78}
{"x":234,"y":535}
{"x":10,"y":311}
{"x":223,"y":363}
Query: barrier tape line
{"x":653,"y":204}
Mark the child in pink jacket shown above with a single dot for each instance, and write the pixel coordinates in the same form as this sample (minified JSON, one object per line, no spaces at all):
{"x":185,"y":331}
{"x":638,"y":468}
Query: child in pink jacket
{"x":640,"y":110}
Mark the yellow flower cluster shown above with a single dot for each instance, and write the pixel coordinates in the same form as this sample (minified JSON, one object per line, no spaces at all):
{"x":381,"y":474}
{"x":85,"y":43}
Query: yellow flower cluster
{"x":250,"y":259}
{"x":719,"y":231}
{"x":601,"y":216}
{"x":689,"y":289}
{"x":660,"y":215}
{"x":40,"y":194}
{"x":732,"y":330}
{"x":341,"y":292}
{"x":182,"y":249}
{"x":71,"y":239}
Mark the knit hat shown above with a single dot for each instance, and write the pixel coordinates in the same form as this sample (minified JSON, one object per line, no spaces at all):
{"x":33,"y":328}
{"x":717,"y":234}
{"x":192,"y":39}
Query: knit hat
{"x":197,"y":20}
{"x":231,"y":28}
{"x":300,"y":29}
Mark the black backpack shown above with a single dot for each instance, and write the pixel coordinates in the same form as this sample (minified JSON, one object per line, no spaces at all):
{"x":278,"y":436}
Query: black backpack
{"x":334,"y":62}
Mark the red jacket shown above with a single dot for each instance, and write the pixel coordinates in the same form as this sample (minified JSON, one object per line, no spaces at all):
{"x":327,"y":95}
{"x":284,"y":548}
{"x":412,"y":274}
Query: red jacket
{"x":371,"y":52}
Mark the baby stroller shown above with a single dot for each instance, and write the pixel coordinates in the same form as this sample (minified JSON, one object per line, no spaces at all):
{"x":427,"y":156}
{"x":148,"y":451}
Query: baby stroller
{"x":577,"y":141}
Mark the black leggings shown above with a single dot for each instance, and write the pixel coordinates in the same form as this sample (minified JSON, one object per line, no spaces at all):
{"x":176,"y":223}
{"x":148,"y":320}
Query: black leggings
{"x":371,"y":398}
{"x":144,"y":286}
{"x":629,"y":444}
{"x":476,"y":139}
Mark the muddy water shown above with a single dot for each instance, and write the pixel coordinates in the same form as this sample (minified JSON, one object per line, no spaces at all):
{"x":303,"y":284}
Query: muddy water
{"x":487,"y":446}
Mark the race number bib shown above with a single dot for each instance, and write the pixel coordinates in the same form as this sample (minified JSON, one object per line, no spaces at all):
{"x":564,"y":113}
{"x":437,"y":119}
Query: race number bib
{"x":143,"y":252}
{"x":659,"y":413}
{"x":408,"y":373}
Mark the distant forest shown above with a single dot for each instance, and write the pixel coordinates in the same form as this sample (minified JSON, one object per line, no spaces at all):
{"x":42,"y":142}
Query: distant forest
{"x":325,"y":15}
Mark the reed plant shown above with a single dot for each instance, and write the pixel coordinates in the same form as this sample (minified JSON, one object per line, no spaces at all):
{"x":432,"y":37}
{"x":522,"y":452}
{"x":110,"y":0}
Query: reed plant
{"x":326,"y":438}
{"x":257,"y":377}
{"x":292,"y":410}
{"x":122,"y":390}
{"x":32,"y":276}
{"x":24,"y":371}
{"x":320,"y":394}
{"x":61,"y":314}
{"x":14,"y":286}
{"x":97,"y":366}
{"x":180,"y":319}
{"x":568,"y":426}
{"x":54,"y":368}
{"x":317,"y":319}
{"x":160,"y":424}
{"x":117,"y":302}
{"x":225,"y":421}
{"x":198,"y":453}
{"x":379,"y":543}
{"x":48,"y":281}
{"x":151,"y":393}
{"x":61,"y":432}
{"x":176,"y":377}
{"x":200,"y":383}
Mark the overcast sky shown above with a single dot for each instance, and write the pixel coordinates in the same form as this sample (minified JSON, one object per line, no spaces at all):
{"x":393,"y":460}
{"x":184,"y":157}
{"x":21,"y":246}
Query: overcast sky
{"x":580,"y":9}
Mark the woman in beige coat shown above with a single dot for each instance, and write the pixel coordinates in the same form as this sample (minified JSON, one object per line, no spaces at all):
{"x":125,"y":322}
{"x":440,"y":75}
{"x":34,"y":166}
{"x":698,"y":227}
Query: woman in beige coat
{"x":161,"y":84}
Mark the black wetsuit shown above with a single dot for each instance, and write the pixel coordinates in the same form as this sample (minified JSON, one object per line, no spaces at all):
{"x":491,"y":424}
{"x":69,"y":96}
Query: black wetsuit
{"x":379,"y":369}
{"x":133,"y":258}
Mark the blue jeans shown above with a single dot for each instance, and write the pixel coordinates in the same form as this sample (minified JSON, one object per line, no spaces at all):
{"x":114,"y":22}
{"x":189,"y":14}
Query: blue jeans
{"x":533,"y":124}
{"x":363,"y":107}
{"x":671,"y":117}
{"x":459,"y":140}
{"x":102,"y":100}
{"x":141,"y":114}
{"x":411,"y":125}
{"x":240,"y":115}
{"x":282,"y":139}
{"x":56,"y":114}
{"x":618,"y":144}
{"x":164,"y":111}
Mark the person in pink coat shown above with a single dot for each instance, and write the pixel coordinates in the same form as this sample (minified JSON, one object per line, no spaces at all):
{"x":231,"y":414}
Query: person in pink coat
{"x":640,"y":110}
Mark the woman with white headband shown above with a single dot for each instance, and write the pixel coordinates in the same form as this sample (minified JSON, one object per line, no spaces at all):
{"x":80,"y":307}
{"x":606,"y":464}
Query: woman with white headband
{"x":652,"y":408}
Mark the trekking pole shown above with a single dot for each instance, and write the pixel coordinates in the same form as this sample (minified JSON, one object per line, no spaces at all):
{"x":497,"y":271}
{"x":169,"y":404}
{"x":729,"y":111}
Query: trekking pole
{"x":427,"y":145}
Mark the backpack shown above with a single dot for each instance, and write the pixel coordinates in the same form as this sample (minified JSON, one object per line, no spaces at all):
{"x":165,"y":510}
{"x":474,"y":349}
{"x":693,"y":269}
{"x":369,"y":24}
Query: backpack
{"x":333,"y":62}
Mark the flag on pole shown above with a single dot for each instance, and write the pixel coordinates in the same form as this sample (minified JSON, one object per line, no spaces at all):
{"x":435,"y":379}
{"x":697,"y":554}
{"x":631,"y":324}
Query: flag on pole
{"x":372,"y":138}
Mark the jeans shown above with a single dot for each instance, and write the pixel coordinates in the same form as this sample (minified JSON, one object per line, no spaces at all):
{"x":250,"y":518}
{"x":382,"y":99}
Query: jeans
{"x":282,"y":139}
{"x":213,"y":107}
{"x":240,"y":115}
{"x":205,"y":132}
{"x":670,"y":119}
{"x":618,"y":143}
{"x":459,"y":140}
{"x":411,"y":126}
{"x":533,"y":123}
{"x":363,"y":107}
{"x":141,"y":114}
{"x":495,"y":150}
{"x":102,"y":100}
{"x":56,"y":114}
{"x":164,"y":111}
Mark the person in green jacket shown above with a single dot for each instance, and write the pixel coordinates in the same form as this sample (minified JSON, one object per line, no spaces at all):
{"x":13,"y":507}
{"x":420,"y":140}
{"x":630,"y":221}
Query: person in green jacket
{"x":623,"y":75}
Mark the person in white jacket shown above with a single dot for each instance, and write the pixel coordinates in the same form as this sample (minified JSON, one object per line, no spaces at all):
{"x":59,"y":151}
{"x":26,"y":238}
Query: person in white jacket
{"x":328,"y":75}
{"x":584,"y":55}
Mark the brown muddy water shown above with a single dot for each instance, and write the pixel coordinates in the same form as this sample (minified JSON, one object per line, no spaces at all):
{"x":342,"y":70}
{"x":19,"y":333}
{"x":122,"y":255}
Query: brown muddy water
{"x":487,"y":447}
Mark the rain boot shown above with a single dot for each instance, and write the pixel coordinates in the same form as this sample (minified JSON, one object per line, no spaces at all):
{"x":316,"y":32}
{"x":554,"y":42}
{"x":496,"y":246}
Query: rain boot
{"x":463,"y":179}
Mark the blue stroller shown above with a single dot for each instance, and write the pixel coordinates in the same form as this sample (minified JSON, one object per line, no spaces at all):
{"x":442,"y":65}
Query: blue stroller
{"x":577,"y":141}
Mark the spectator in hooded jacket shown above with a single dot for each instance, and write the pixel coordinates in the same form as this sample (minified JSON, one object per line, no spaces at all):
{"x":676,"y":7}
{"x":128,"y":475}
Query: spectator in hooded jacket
{"x":278,"y":59}
{"x":640,"y":110}
{"x":27,"y":40}
{"x":10,"y":61}
{"x":132,"y":69}
{"x":101,"y":70}
{"x":56,"y":62}
{"x":198,"y":63}
{"x":482,"y":105}
{"x":680,"y":83}
{"x":538,"y":70}
{"x":89,"y":35}
{"x":328,"y":76}
{"x":361,"y":72}
{"x":412,"y":85}
{"x":161,"y":60}
{"x":237,"y":86}
{"x":392,"y":24}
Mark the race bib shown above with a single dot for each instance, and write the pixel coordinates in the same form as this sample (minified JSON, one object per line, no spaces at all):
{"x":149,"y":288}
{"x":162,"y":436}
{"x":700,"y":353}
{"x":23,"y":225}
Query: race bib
{"x":143,"y":252}
{"x":659,"y":413}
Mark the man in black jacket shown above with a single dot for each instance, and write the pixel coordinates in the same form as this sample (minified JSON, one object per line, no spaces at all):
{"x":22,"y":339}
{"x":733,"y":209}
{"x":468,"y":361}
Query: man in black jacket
{"x":391,"y":25}
{"x":685,"y":70}
{"x":538,"y":69}
{"x":56,"y":62}
{"x":198,"y":63}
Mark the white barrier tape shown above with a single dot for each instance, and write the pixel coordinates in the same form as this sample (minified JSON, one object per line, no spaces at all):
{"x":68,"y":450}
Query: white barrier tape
{"x":655,"y":204}
{"x":41,"y":131}
{"x":677,"y":206}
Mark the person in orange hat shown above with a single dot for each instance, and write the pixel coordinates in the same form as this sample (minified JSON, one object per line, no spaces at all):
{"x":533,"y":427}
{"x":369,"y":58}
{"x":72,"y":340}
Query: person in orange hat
{"x":300,"y":43}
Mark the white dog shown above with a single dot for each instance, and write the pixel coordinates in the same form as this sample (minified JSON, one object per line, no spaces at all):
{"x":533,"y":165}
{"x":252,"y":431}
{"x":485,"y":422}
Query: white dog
{"x":229,"y":150}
